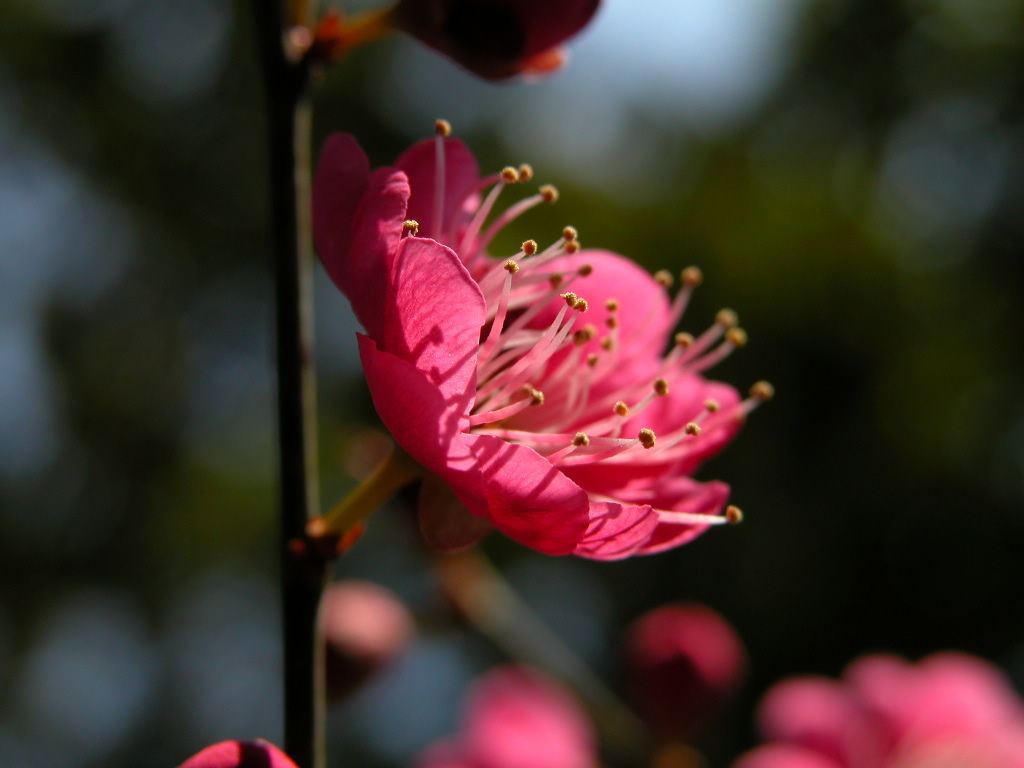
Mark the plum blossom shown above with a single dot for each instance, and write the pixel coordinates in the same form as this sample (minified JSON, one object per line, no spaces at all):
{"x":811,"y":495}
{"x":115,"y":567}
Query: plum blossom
{"x":514,"y":717}
{"x":685,"y":662}
{"x":240,"y":754}
{"x":949,"y":709}
{"x":534,"y":390}
{"x":496,"y":38}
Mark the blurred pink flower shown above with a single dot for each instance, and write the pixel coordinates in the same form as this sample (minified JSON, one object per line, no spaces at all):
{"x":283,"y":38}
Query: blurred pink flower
{"x":950,"y":709}
{"x":365,"y":627}
{"x":240,"y":754}
{"x":514,"y":717}
{"x":496,"y":38}
{"x":684,"y":662}
{"x":566,"y":433}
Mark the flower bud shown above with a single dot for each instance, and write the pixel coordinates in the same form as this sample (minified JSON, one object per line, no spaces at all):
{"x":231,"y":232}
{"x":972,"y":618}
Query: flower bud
{"x":240,"y":754}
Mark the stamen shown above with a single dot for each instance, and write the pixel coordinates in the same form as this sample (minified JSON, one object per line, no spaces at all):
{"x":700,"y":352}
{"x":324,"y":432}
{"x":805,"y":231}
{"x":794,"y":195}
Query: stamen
{"x":509,"y":175}
{"x":545,"y":194}
{"x":692,"y":518}
{"x":549,"y":193}
{"x":410,"y":228}
{"x":692,"y":277}
{"x":525,"y":173}
{"x":529,"y":247}
{"x":570,"y":234}
{"x":573,"y":246}
{"x":586,"y":270}
{"x":762,"y":391}
{"x":734,"y":514}
{"x":647,"y":438}
{"x":664,"y":277}
{"x":535,"y":398}
{"x":442,"y":130}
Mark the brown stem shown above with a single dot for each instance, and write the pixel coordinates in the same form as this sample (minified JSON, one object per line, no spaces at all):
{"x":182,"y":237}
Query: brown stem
{"x":302,"y":579}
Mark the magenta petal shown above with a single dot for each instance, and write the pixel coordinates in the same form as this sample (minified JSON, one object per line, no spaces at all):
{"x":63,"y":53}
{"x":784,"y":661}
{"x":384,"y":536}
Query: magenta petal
{"x":341,"y":175}
{"x":461,"y":174}
{"x":528,"y":499}
{"x":616,"y":530}
{"x":687,"y":495}
{"x":240,"y":754}
{"x":784,"y":756}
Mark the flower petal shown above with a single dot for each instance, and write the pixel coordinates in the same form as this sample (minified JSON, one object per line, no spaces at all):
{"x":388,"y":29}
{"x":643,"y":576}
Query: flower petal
{"x":528,"y":499}
{"x":340,"y":181}
{"x":684,"y":494}
{"x":461,"y":174}
{"x":240,"y":754}
{"x":616,"y":530}
{"x":784,"y":756}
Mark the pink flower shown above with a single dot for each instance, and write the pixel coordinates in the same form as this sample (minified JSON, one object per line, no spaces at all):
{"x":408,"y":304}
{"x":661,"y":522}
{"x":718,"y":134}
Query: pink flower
{"x":365,"y":627}
{"x":535,"y":388}
{"x":950,"y":709}
{"x":513,"y":717}
{"x":496,"y":38}
{"x":685,"y":662}
{"x":240,"y":754}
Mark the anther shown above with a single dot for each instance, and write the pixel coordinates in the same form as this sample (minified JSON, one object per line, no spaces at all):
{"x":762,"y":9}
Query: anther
{"x":664,"y":278}
{"x":573,"y":246}
{"x":511,"y":267}
{"x":443,"y":128}
{"x":647,"y":438}
{"x":693,"y":429}
{"x":549,"y":193}
{"x":569,"y":297}
{"x":762,"y":391}
{"x":530,"y":247}
{"x":581,"y":304}
{"x":570,"y":234}
{"x":612,"y":305}
{"x":733,"y":514}
{"x":736,"y":336}
{"x":586,"y":270}
{"x":712,"y":406}
{"x":592,"y":359}
{"x":581,"y":440}
{"x":536,"y":396}
{"x":509,"y":175}
{"x":621,"y":408}
{"x":684,"y":340}
{"x":612,"y":321}
{"x":584,"y":334}
{"x":692,"y":276}
{"x":727,"y":318}
{"x":411,"y":228}
{"x":660,"y":387}
{"x":607,"y":343}
{"x":555,"y":279}
{"x":525,"y":173}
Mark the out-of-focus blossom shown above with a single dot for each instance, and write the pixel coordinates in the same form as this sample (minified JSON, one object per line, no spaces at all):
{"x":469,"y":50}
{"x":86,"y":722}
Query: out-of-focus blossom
{"x":514,"y":717}
{"x":365,"y":626}
{"x":685,"y":662}
{"x":496,"y":38}
{"x":950,"y":709}
{"x":240,"y":754}
{"x":535,"y":387}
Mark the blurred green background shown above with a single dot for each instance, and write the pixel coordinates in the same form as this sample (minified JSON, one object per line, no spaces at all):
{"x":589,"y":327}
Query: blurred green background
{"x":848,"y":173}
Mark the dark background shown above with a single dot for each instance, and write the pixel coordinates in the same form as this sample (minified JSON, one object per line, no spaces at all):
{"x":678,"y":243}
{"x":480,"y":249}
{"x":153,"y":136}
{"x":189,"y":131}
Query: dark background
{"x":847,"y":174}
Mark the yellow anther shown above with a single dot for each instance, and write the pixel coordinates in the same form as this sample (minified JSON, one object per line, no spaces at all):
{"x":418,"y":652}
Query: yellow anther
{"x":530,"y":247}
{"x":612,"y":305}
{"x":592,"y":359}
{"x":581,"y":304}
{"x":762,"y":391}
{"x":537,"y":397}
{"x":712,"y":406}
{"x":549,"y":193}
{"x":612,"y":321}
{"x":684,"y":340}
{"x":443,"y":128}
{"x":607,"y":343}
{"x":525,"y":173}
{"x":692,"y":429}
{"x":621,"y":408}
{"x":570,"y":234}
{"x":555,"y":278}
{"x":581,"y":440}
{"x":664,"y":278}
{"x":734,"y":514}
{"x":736,"y":336}
{"x":411,"y":227}
{"x":727,"y":318}
{"x":660,"y":387}
{"x":511,"y":267}
{"x":586,"y":270}
{"x":584,"y":334}
{"x":647,"y":438}
{"x":569,"y":297}
{"x":692,"y":276}
{"x":573,"y":246}
{"x":509,"y":175}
